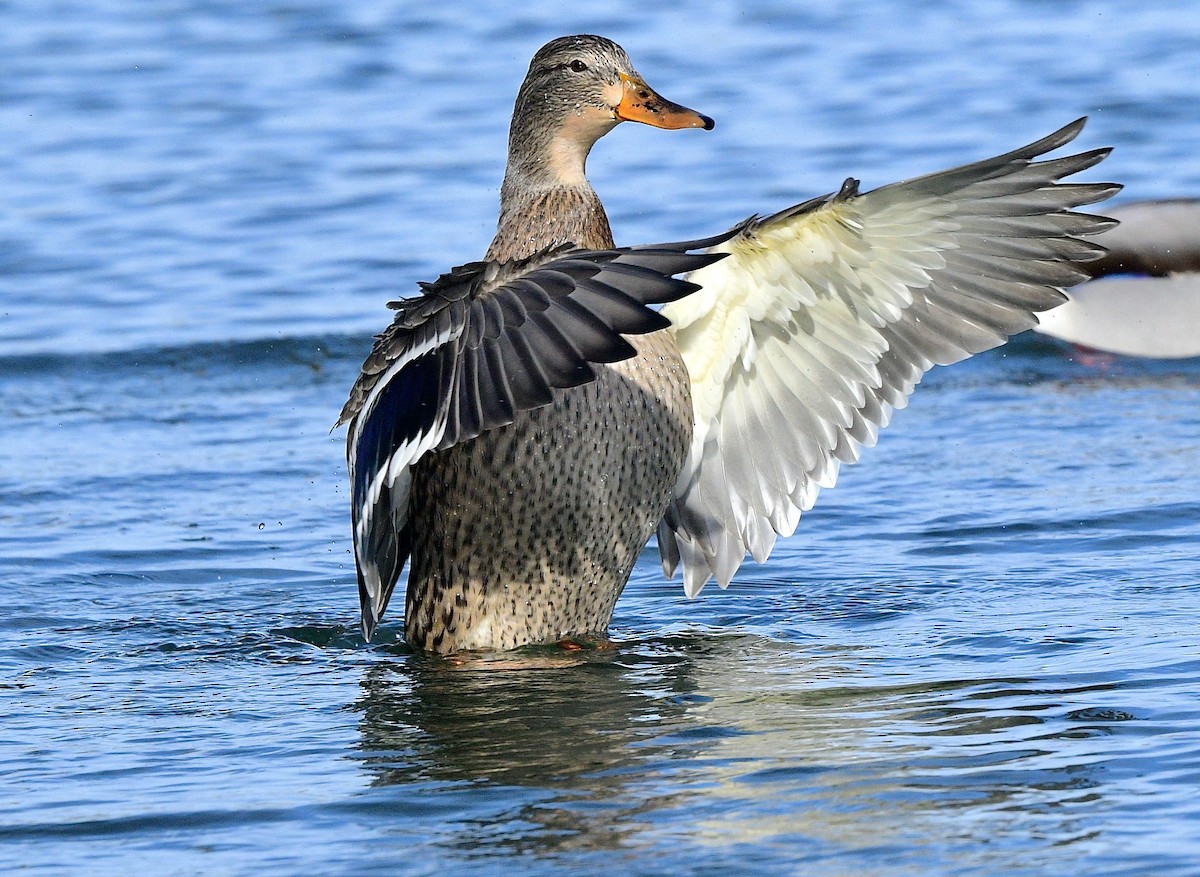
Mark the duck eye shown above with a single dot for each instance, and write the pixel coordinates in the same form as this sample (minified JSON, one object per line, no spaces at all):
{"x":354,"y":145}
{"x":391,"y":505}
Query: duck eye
{"x":578,"y":66}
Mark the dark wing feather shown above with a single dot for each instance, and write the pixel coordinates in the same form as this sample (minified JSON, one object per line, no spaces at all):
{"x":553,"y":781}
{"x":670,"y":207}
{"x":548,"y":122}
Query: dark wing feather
{"x":483,"y":343}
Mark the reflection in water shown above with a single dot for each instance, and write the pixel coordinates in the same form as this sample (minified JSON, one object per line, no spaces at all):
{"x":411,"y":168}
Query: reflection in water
{"x":570,"y":739}
{"x":841,"y":767}
{"x":733,"y":740}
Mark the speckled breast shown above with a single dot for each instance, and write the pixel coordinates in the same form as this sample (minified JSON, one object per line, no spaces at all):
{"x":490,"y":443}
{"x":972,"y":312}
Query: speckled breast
{"x":528,"y":533}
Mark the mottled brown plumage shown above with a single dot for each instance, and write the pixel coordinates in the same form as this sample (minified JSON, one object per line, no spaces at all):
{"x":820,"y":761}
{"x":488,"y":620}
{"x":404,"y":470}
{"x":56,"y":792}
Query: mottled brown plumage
{"x":528,"y":533}
{"x":532,"y":221}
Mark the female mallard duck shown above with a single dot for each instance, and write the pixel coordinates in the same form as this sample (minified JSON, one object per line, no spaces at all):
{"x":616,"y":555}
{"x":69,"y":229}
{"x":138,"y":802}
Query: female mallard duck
{"x":524,"y":425}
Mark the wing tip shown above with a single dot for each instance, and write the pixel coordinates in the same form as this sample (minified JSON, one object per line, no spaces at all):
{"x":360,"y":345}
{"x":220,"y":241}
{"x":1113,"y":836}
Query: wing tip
{"x":1053,"y":140}
{"x":369,"y":617}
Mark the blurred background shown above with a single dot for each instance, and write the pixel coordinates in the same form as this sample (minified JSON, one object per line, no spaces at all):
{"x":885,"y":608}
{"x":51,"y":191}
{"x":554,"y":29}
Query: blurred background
{"x":185,"y":171}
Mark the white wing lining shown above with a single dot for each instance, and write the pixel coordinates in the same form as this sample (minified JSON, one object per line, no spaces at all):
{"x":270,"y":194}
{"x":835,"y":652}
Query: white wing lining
{"x":824,"y":317}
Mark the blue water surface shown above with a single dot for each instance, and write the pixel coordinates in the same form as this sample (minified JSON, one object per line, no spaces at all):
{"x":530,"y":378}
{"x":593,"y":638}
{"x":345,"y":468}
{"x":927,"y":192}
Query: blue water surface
{"x":979,"y":654}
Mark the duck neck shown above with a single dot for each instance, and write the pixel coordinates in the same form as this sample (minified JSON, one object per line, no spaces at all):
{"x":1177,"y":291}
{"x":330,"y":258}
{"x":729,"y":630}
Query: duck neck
{"x":546,"y":198}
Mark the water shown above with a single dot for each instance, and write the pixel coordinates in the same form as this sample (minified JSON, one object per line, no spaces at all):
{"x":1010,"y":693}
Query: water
{"x":978,"y":655}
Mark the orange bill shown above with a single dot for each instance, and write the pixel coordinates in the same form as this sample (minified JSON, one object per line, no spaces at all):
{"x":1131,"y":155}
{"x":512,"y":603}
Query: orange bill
{"x":641,"y":103}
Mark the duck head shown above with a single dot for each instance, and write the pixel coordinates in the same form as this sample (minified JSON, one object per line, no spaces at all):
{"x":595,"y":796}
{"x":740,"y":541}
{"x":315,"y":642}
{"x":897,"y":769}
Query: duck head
{"x":579,"y":88}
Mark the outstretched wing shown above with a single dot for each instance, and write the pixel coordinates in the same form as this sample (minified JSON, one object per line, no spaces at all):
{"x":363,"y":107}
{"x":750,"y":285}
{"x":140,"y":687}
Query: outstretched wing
{"x":825,"y":316}
{"x":482,"y":343}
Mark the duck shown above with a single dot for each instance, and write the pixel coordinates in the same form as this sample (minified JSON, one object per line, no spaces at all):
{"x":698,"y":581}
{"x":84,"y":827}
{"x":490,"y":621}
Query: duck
{"x":1142,"y":298}
{"x":529,"y":421}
